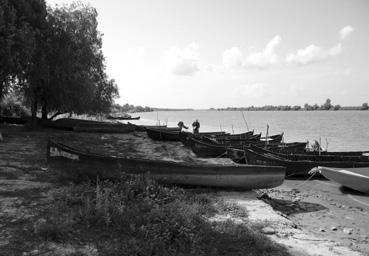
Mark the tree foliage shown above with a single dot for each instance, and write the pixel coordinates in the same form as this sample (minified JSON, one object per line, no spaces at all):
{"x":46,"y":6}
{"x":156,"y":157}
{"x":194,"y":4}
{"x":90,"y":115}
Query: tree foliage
{"x":54,"y":57}
{"x":20,"y":24}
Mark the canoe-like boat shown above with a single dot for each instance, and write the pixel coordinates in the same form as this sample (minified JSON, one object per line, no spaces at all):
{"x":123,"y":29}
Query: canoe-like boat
{"x":142,"y":128}
{"x":168,"y":134}
{"x":301,"y":167}
{"x":354,"y":178}
{"x":311,"y":157}
{"x":238,"y":136}
{"x":205,"y":147}
{"x":123,"y":118}
{"x":116,"y":128}
{"x":224,"y":176}
{"x":185,"y":137}
{"x":14,"y":120}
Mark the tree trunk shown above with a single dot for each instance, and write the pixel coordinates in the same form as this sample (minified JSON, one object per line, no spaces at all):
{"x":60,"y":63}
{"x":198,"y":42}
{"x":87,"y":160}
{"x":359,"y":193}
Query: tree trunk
{"x":34,"y":114}
{"x":44,"y":112}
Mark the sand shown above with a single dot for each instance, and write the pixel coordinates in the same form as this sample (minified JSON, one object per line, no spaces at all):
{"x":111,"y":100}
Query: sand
{"x":312,"y":218}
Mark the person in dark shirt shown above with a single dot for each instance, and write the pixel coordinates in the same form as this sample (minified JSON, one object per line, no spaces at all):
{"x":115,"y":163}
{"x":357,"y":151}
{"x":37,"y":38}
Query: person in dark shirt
{"x":196,"y":126}
{"x":181,"y":126}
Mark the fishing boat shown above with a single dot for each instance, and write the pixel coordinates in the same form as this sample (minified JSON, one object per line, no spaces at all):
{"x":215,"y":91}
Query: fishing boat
{"x":208,"y":147}
{"x":90,"y":165}
{"x":301,"y":167}
{"x":238,"y":136}
{"x":142,"y":128}
{"x":14,"y":120}
{"x":311,"y":157}
{"x":169,"y":134}
{"x":354,"y":178}
{"x":185,"y":137}
{"x":123,"y":118}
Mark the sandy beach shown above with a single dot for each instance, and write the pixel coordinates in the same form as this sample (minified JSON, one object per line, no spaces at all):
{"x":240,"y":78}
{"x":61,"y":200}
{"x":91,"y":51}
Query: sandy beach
{"x":316,"y":217}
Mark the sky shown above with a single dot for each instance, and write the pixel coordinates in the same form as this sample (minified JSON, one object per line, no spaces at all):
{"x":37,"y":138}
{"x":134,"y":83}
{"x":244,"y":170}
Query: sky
{"x":235,"y":53}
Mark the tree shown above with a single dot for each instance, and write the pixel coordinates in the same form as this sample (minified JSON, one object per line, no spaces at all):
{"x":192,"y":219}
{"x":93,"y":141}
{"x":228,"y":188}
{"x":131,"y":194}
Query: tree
{"x":20,"y":23}
{"x":70,"y":72}
{"x":364,"y":106}
{"x":327,"y":105}
{"x":337,"y":107}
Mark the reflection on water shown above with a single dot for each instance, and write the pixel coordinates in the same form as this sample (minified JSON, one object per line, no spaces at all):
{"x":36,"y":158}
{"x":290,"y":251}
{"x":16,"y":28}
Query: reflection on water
{"x":342,"y":130}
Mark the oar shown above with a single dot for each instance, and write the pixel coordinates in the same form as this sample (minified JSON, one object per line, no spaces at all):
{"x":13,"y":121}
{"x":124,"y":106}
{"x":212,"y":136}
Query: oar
{"x":266,"y":137}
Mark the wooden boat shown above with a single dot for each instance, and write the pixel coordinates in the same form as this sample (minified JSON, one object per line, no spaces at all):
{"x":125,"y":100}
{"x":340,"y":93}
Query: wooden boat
{"x":14,"y":120}
{"x":80,"y":125}
{"x":106,"y":128}
{"x":142,"y":128}
{"x":238,"y":136}
{"x":169,"y":134}
{"x":311,"y":157}
{"x":225,"y":176}
{"x":354,"y":178}
{"x":123,"y":118}
{"x":301,"y":167}
{"x":206,"y":147}
{"x":185,"y":137}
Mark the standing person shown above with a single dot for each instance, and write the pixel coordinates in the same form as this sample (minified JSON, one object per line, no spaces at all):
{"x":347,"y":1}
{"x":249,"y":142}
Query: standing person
{"x":181,"y":125}
{"x":196,"y":126}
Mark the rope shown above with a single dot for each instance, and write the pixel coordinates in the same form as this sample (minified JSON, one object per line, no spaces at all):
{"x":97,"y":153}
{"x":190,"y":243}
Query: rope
{"x":311,"y":176}
{"x":223,"y":154}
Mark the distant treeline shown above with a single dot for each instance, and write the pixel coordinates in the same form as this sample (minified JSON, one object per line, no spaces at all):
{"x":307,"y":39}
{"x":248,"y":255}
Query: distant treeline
{"x":326,"y":106}
{"x":127,"y":108}
{"x":173,"y":109}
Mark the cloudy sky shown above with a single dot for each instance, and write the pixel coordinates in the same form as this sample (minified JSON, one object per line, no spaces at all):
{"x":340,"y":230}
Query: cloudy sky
{"x":219,"y":53}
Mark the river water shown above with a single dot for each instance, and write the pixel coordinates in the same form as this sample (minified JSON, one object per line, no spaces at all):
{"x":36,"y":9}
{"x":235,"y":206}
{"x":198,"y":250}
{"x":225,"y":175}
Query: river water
{"x":337,"y":130}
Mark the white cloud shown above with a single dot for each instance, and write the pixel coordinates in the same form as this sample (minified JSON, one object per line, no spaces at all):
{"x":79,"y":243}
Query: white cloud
{"x":266,"y":57}
{"x":346,"y":31}
{"x":254,"y":90}
{"x":183,"y":62}
{"x":313,"y":53}
{"x":232,"y":58}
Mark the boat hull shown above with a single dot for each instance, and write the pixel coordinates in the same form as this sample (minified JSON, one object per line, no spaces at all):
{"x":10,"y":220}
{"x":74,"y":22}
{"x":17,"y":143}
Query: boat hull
{"x":210,"y":175}
{"x":354,"y":178}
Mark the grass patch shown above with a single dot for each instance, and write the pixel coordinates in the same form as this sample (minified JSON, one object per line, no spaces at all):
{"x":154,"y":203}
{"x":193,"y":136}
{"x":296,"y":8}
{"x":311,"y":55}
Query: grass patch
{"x":137,"y":216}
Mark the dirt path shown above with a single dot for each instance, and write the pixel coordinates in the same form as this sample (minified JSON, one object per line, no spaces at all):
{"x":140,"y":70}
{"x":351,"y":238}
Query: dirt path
{"x":23,"y":190}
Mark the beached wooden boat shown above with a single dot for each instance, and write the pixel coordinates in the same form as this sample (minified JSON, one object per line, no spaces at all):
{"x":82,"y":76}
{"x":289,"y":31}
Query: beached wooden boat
{"x":122,"y":118}
{"x":238,"y":136}
{"x":206,"y":147}
{"x":311,"y":157}
{"x":14,"y":120}
{"x":301,"y":167}
{"x":185,"y":137}
{"x":354,"y":178}
{"x":171,"y":134}
{"x":243,"y":177}
{"x":106,"y":128}
{"x":142,"y":128}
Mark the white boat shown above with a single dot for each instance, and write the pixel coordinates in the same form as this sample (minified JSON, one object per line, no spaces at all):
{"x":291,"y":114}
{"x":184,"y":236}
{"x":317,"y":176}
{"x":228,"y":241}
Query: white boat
{"x":354,"y":178}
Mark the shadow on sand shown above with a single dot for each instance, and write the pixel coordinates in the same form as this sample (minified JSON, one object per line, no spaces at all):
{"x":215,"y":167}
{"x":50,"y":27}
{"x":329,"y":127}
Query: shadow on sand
{"x":291,"y":207}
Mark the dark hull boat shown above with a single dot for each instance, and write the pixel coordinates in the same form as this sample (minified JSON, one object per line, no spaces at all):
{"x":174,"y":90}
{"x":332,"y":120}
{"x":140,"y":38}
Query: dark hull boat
{"x":142,"y":128}
{"x":123,"y":118}
{"x":13,"y":120}
{"x":168,"y":134}
{"x":239,"y":136}
{"x":185,"y":137}
{"x":206,"y":147}
{"x":311,"y":157}
{"x":232,"y":176}
{"x":80,"y":125}
{"x":301,"y":167}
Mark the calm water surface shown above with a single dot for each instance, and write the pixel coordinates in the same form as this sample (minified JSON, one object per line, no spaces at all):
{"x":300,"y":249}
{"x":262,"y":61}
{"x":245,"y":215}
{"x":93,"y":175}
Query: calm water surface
{"x":343,"y":130}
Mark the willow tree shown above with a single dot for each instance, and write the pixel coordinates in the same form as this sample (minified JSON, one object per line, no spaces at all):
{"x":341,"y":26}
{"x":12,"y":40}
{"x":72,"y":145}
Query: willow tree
{"x":70,"y":75}
{"x":21,"y":22}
